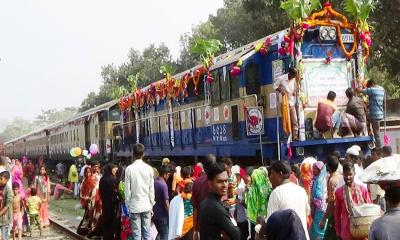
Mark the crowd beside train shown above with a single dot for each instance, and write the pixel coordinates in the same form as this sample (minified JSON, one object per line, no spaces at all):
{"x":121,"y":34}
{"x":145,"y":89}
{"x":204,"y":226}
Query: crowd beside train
{"x":216,"y":199}
{"x":212,"y":199}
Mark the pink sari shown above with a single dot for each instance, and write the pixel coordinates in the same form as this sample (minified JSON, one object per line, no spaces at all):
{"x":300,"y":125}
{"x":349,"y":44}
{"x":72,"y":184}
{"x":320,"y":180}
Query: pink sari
{"x":42,"y":184}
{"x":17,"y":176}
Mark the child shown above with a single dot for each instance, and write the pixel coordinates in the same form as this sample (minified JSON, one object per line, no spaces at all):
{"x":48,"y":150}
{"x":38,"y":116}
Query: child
{"x":18,"y":206}
{"x":33,"y":204}
{"x":7,"y":203}
{"x":42,"y":185}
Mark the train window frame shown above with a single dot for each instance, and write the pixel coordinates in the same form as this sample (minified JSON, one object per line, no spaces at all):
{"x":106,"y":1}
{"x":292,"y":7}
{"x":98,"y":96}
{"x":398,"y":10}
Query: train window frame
{"x":200,"y":89}
{"x":252,"y":87}
{"x":215,"y":89}
{"x":225,"y":86}
{"x":235,"y":86}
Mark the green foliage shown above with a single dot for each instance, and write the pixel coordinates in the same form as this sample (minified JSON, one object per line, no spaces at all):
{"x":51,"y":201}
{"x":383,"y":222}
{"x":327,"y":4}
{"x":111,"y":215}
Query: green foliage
{"x":383,"y":78}
{"x":300,"y":9}
{"x":206,"y":49}
{"x":19,"y":126}
{"x":16,"y":128}
{"x":133,"y":79}
{"x":167,"y":69}
{"x":138,"y":71}
{"x":359,"y":9}
{"x":239,"y":22}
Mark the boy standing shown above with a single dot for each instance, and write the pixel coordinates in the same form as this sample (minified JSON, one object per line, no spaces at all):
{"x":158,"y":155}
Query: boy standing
{"x":18,"y":206}
{"x":33,"y":205}
{"x":6,"y":210}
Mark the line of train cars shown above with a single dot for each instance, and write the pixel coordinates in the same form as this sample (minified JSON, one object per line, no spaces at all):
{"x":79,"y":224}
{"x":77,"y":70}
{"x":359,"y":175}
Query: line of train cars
{"x":54,"y":142}
{"x":229,"y":109}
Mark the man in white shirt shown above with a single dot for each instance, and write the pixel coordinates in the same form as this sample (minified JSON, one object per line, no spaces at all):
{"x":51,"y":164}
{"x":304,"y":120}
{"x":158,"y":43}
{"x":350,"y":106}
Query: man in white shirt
{"x":139,"y":194}
{"x":287,"y":195}
{"x":286,"y":85}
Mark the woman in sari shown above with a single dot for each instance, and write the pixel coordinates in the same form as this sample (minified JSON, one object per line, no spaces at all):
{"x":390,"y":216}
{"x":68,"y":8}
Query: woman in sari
{"x":306,"y":180}
{"x":42,"y":184}
{"x":257,"y":196}
{"x":17,"y":176}
{"x":318,"y":201}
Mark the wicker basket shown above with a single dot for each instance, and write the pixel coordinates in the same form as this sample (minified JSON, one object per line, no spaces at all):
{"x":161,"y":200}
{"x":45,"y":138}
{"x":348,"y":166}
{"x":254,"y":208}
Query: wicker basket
{"x":359,"y":226}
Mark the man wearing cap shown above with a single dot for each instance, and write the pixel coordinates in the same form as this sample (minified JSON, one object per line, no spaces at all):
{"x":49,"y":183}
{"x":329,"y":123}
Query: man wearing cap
{"x":352,"y":155}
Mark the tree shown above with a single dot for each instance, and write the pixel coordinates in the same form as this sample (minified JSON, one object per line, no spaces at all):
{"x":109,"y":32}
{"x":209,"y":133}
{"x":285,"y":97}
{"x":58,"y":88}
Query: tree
{"x":53,"y":115}
{"x":16,"y":128}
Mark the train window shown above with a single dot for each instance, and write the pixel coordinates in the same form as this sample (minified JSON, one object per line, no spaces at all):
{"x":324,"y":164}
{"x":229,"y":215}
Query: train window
{"x":200,"y":90}
{"x":235,"y":86}
{"x":225,"y":86}
{"x":215,"y":92}
{"x":252,"y":76}
{"x":114,"y":114}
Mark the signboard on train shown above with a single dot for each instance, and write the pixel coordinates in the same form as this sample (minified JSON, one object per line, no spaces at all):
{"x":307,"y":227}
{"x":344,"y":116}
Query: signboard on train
{"x":320,"y":78}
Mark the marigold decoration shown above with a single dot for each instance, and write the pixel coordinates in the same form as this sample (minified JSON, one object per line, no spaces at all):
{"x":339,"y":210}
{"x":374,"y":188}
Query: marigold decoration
{"x":329,"y":17}
{"x":263,"y":47}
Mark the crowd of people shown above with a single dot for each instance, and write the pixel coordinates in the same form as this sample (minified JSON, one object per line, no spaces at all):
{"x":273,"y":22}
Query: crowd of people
{"x":215,"y":199}
{"x":23,"y":208}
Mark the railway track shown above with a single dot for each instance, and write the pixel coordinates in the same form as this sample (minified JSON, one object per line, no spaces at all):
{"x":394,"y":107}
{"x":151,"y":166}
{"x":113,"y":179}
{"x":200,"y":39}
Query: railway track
{"x":58,"y":230}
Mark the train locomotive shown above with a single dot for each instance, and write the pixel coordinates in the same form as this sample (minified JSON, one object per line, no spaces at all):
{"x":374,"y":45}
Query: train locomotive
{"x":232,"y":109}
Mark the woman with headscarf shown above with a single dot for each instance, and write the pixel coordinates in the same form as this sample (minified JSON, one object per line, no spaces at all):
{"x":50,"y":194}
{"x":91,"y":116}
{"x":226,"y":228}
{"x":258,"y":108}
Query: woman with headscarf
{"x":108,"y":189}
{"x":284,"y":225}
{"x":176,"y":179}
{"x":256,"y":198}
{"x":42,"y":184}
{"x":306,"y":179}
{"x":17,"y":176}
{"x":318,"y":200}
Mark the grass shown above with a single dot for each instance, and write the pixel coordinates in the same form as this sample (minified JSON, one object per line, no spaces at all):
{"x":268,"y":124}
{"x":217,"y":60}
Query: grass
{"x":65,"y":208}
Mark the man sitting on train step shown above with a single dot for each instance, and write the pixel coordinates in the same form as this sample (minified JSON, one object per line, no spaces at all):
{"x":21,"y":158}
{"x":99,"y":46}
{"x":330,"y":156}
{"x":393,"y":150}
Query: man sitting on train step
{"x":287,"y":86}
{"x":354,"y":120}
{"x":328,"y":118}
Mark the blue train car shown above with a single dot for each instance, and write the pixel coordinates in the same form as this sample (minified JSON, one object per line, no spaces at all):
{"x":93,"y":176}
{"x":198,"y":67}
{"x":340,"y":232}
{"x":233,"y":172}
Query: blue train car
{"x":237,"y":114}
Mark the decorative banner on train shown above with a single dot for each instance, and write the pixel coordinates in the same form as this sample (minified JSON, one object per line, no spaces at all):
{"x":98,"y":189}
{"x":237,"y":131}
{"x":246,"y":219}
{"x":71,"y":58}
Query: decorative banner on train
{"x":254,"y":121}
{"x":320,"y":78}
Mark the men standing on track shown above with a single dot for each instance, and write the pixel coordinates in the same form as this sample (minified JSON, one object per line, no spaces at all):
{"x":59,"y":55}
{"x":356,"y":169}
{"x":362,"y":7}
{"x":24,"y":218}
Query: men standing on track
{"x":139,"y":194}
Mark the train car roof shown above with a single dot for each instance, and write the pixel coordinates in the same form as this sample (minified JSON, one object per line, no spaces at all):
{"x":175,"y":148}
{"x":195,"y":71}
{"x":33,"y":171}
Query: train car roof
{"x":231,"y":56}
{"x":91,"y":111}
{"x":100,"y":108}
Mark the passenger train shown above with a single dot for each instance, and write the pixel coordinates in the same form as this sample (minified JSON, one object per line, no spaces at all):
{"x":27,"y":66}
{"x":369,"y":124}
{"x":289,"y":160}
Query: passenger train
{"x":230,"y":108}
{"x":55,"y":141}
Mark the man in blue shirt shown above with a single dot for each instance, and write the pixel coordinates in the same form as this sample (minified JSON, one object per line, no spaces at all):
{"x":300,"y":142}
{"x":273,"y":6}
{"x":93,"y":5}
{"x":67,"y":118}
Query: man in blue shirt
{"x":160,"y":209}
{"x":376,"y":96}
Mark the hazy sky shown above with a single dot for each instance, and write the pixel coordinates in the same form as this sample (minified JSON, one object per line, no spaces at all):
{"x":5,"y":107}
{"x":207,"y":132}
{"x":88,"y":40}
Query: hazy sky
{"x":51,"y":50}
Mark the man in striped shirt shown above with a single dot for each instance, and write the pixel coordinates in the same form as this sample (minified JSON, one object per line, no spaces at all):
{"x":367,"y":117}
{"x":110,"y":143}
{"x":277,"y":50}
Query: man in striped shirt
{"x":376,"y":96}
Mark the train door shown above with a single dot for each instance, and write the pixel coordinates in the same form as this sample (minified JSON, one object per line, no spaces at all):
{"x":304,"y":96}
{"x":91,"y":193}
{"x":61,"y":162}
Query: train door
{"x":170,"y":122}
{"x":87,"y":134}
